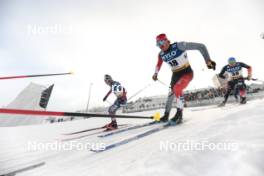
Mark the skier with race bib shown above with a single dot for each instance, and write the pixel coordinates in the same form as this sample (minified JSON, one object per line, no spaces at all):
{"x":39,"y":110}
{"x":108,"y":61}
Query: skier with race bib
{"x":174,"y":54}
{"x":236,"y":80}
{"x":121,"y":99}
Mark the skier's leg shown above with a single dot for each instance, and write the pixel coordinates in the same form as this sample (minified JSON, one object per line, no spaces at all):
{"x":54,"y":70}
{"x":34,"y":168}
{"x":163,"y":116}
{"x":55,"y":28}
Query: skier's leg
{"x":112,"y":110}
{"x":242,"y":92}
{"x":178,"y":88}
{"x":168,"y":106}
{"x":236,"y":92}
{"x":230,"y":87}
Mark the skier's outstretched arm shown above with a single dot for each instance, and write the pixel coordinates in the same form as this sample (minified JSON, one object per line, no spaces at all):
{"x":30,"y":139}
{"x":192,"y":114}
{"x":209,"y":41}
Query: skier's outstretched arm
{"x":108,"y":93}
{"x":249,"y":70}
{"x":221,"y":74}
{"x":200,"y":47}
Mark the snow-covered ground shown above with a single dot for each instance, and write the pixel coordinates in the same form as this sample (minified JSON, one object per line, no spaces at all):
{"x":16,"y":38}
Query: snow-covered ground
{"x":212,"y":141}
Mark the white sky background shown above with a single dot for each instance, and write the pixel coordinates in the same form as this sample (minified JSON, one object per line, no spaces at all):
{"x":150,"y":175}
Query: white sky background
{"x":117,"y":37}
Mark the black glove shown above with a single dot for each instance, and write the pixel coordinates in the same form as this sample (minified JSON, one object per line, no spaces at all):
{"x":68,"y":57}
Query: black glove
{"x":211,"y":64}
{"x":155,"y":77}
{"x":104,"y":98}
{"x":222,"y":76}
{"x":249,"y":77}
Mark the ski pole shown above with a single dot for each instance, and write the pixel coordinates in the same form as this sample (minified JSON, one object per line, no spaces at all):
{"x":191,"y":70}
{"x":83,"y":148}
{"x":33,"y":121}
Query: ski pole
{"x":161,"y":82}
{"x":156,"y":116}
{"x":30,"y":76}
{"x":255,"y":79}
{"x":138,"y":92}
{"x":171,"y":92}
{"x":252,"y":79}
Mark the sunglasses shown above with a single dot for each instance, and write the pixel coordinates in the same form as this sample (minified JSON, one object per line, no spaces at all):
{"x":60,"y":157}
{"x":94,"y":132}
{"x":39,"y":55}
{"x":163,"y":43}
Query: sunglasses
{"x":231,"y":62}
{"x":160,"y":43}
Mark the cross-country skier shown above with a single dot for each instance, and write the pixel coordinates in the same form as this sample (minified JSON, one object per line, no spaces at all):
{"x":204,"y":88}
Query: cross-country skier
{"x":121,"y":99}
{"x":176,"y":57}
{"x":236,"y":80}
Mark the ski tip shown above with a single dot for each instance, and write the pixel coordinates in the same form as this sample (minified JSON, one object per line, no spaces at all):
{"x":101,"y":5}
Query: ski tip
{"x":167,"y":124}
{"x":71,"y":72}
{"x":96,"y":151}
{"x":172,"y":123}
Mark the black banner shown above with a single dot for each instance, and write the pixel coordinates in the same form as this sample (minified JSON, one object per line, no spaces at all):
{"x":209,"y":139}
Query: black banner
{"x":45,"y":96}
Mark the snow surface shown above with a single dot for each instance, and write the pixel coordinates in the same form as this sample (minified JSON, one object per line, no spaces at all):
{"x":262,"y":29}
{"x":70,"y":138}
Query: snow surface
{"x":238,"y":125}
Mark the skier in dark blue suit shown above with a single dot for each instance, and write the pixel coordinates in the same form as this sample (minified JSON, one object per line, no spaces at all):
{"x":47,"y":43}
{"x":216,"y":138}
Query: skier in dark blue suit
{"x":236,"y":80}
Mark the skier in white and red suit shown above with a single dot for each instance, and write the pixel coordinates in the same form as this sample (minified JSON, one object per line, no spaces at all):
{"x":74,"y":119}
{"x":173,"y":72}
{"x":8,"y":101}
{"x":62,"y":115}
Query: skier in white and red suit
{"x":121,"y":99}
{"x":174,"y":54}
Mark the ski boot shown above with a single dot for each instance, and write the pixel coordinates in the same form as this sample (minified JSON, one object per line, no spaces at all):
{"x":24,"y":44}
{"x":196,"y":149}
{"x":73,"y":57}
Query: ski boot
{"x":177,"y":118}
{"x":243,"y":100}
{"x":111,"y":126}
{"x":165,"y":117}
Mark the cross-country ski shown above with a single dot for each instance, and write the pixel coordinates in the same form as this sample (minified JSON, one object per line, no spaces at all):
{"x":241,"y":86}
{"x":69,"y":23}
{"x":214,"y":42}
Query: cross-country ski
{"x":90,"y":129}
{"x":128,"y":129}
{"x":136,"y":137}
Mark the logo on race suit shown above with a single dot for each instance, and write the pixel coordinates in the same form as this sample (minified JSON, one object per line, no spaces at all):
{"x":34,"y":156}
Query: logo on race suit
{"x":118,"y":90}
{"x":169,"y":56}
{"x":233,"y":69}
